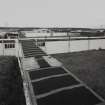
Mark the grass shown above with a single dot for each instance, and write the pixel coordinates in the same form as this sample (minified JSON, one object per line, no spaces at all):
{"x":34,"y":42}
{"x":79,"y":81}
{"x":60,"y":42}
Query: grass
{"x":11,"y":89}
{"x":88,"y":66}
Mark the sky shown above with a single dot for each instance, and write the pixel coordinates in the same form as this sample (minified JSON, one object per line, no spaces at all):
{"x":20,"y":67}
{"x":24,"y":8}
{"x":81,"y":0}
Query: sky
{"x":52,"y":13}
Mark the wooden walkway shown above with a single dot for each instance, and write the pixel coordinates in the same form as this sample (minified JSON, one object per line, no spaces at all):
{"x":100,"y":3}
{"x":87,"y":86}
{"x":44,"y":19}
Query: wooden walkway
{"x":50,"y":83}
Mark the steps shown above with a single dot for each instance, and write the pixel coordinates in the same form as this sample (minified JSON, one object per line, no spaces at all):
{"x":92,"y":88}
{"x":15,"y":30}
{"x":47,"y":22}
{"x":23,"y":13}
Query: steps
{"x":50,"y":83}
{"x":30,"y":63}
{"x":30,"y":49}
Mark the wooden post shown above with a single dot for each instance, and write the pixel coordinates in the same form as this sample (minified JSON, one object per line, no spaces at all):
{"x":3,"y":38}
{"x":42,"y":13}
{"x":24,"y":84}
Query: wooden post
{"x":45,"y":43}
{"x":68,"y":42}
{"x":3,"y":46}
{"x":51,"y":33}
{"x":88,"y":43}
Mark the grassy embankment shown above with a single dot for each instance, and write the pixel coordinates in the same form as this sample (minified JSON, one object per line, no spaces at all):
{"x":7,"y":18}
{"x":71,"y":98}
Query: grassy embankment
{"x":88,"y":66}
{"x":11,"y":89}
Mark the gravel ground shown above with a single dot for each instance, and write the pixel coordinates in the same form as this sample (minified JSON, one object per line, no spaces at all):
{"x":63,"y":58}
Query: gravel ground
{"x":11,"y":92}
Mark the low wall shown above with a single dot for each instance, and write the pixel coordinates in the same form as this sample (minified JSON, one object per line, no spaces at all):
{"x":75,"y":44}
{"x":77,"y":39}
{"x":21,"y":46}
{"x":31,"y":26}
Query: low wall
{"x":52,"y":47}
{"x":9,"y":47}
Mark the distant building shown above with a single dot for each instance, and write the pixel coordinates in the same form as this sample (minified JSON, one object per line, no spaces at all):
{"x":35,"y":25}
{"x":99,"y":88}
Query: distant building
{"x":11,"y":35}
{"x":9,"y":43}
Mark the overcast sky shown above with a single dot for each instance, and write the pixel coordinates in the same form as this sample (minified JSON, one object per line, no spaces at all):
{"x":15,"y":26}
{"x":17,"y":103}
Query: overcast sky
{"x":50,"y":13}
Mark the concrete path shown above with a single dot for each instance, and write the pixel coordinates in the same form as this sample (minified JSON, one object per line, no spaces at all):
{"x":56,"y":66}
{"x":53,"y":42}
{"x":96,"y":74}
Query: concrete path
{"x":52,"y":61}
{"x":30,"y":63}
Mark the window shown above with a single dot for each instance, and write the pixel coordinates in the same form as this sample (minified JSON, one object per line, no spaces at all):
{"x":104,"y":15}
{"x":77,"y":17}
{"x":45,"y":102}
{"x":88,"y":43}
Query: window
{"x":12,"y":45}
{"x":41,"y":43}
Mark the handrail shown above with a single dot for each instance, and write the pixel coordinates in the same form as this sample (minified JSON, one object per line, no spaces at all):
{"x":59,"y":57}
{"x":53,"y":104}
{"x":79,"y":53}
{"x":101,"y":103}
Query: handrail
{"x":25,"y":83}
{"x":60,"y":37}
